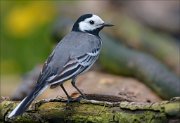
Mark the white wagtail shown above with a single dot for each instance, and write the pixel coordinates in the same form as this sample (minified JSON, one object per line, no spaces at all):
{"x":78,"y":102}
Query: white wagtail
{"x":73,"y":55}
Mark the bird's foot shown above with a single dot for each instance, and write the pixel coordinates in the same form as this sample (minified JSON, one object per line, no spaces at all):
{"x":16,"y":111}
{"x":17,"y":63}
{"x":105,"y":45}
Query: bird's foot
{"x":78,"y":99}
{"x":70,"y":99}
{"x":83,"y":96}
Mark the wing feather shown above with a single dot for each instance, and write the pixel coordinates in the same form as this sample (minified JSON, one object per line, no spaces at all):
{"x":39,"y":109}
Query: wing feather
{"x":75,"y":66}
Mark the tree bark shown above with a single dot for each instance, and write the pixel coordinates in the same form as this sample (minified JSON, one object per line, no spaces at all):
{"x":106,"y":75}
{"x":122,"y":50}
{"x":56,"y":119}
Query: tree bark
{"x":103,"y":109}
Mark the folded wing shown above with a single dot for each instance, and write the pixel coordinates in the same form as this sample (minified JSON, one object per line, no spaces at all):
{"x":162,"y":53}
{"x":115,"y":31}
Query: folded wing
{"x":75,"y":66}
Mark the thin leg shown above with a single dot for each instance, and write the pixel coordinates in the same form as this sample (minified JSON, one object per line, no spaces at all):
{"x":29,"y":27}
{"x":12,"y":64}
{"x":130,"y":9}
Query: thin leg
{"x":74,"y":85}
{"x":69,"y":98}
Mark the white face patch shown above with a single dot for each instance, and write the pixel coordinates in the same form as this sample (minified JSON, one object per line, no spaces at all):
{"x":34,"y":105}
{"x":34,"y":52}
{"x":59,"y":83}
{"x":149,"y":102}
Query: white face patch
{"x":87,"y":26}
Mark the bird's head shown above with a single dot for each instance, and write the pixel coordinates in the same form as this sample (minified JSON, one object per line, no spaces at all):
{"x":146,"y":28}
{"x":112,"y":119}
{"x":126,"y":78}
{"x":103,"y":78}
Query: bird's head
{"x":90,"y":23}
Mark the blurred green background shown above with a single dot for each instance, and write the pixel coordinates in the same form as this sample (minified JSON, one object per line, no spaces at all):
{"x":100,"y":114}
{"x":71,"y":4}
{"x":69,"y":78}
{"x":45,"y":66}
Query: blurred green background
{"x":25,"y":34}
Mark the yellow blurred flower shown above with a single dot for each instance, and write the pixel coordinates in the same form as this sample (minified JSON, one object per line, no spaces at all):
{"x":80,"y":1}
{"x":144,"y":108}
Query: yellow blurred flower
{"x":22,"y":19}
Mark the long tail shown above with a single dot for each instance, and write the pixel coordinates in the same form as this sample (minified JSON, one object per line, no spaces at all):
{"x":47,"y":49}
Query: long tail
{"x":24,"y":104}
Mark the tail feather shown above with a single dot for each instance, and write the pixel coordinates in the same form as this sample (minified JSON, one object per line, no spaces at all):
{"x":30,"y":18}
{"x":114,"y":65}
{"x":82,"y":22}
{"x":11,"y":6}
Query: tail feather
{"x":24,"y":104}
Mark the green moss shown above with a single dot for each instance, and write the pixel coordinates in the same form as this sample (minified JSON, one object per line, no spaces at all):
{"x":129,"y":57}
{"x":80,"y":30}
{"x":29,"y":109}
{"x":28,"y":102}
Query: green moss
{"x":24,"y":119}
{"x":90,"y":119}
{"x":140,"y":117}
{"x":101,"y":114}
{"x":4,"y":107}
{"x":76,"y":112}
{"x":172,"y":109}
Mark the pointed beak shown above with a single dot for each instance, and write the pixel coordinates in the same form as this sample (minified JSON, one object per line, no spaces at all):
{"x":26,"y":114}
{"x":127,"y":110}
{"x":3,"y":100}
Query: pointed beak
{"x":107,"y":25}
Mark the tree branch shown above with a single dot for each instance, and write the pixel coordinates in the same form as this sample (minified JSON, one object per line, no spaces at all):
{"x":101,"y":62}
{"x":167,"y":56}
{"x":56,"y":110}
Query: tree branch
{"x":103,"y":108}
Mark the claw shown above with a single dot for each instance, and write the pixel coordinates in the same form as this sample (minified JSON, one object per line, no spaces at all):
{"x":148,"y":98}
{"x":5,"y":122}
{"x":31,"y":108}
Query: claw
{"x":69,"y":100}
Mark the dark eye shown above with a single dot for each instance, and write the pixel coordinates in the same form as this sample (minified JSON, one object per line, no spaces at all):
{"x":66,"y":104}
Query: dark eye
{"x":91,"y":22}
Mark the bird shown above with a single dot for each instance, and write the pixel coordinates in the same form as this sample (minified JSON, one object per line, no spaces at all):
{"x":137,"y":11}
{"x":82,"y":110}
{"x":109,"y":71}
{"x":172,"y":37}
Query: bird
{"x":72,"y":56}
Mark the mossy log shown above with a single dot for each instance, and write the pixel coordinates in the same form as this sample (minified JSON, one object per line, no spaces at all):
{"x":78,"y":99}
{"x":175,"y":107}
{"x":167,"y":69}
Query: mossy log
{"x":119,"y":59}
{"x":95,"y":111}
